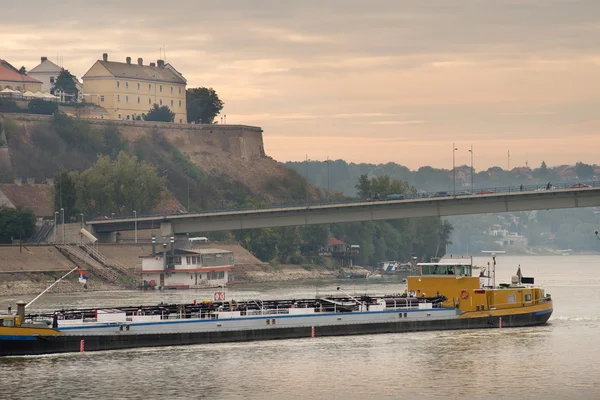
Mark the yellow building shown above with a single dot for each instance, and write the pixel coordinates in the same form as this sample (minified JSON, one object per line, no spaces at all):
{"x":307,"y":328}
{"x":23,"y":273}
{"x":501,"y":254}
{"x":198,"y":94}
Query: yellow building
{"x":10,"y":78}
{"x":129,"y":90}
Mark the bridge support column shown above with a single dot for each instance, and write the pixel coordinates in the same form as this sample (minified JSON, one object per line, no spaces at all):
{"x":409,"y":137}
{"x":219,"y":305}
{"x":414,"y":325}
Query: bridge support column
{"x":166,"y":229}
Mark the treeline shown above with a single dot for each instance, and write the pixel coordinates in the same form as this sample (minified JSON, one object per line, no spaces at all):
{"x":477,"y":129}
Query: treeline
{"x":340,"y":176}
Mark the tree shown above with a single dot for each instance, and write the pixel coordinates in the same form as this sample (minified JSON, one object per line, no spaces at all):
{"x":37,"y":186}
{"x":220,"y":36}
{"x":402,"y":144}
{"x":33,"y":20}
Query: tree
{"x":16,"y":223}
{"x":65,"y":192}
{"x":23,"y":70}
{"x":66,"y":83}
{"x":203,"y":105}
{"x":120,"y":186}
{"x":584,"y":171}
{"x":45,"y":107}
{"x":363,"y":186}
{"x":160,"y":114}
{"x":315,"y":235}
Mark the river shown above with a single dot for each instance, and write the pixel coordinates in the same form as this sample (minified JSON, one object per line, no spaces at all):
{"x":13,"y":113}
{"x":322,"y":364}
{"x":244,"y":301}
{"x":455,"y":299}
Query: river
{"x":555,"y":361}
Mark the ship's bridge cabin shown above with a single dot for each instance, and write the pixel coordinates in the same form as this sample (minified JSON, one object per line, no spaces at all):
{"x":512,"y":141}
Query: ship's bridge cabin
{"x":452,"y":279}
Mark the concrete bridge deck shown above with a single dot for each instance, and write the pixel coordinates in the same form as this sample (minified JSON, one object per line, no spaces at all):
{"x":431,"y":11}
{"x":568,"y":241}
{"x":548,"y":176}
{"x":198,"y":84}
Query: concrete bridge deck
{"x":353,"y":212}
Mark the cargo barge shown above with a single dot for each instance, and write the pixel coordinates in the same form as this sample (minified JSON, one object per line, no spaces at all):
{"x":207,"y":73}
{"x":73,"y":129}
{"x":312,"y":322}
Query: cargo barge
{"x":441,"y":296}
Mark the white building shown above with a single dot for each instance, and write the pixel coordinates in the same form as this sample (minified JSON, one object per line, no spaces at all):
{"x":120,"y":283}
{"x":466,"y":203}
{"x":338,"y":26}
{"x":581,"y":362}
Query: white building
{"x":47,"y":72}
{"x":187,"y":269}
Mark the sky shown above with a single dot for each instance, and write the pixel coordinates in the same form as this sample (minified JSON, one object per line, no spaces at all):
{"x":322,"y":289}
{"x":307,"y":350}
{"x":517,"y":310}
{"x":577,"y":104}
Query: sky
{"x":365,"y":81}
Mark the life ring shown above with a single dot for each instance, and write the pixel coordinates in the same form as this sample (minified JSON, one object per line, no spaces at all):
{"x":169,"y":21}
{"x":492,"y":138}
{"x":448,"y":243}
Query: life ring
{"x":464,"y":294}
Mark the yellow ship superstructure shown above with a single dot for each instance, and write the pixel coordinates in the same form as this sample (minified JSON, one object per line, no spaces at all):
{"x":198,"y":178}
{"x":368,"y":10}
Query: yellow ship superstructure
{"x":14,"y":327}
{"x":478,"y":296}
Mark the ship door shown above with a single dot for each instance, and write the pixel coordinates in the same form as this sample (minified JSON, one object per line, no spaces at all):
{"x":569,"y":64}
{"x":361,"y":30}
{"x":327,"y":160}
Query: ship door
{"x":162,"y":280}
{"x":196,"y":278}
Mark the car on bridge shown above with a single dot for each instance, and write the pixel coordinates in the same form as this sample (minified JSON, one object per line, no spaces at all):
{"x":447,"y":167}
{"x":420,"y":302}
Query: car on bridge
{"x":485,"y":191}
{"x":395,"y":197}
{"x":440,"y":194}
{"x":463,"y":193}
{"x":579,"y":185}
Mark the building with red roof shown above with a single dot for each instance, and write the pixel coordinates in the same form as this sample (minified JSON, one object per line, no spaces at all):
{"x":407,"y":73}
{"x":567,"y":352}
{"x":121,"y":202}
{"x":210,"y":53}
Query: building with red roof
{"x":11,"y":78}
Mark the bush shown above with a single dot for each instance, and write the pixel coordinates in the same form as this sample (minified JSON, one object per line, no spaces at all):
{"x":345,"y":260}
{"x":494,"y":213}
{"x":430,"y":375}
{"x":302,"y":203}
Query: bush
{"x":9,"y":106}
{"x":44,"y":107}
{"x":16,"y":223}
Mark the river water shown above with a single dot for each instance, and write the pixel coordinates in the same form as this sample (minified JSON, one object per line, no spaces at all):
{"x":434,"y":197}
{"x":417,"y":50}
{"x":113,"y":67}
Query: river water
{"x":557,"y":361}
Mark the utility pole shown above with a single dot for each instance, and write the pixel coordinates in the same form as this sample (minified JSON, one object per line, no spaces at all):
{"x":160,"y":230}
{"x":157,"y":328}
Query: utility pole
{"x":454,"y":167}
{"x":472,"y":187}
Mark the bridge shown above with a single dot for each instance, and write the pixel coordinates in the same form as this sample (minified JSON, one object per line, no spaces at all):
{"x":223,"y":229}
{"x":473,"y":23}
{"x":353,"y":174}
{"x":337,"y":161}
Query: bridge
{"x":353,"y":212}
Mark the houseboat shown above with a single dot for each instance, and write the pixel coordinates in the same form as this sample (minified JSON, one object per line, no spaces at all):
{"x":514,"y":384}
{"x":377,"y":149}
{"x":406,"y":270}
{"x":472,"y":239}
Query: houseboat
{"x":441,"y":296}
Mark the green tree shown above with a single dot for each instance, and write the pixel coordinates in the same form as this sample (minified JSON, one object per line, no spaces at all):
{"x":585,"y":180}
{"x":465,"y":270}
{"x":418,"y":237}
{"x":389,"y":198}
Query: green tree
{"x":65,"y":192}
{"x":315,"y":235}
{"x":66,"y":83}
{"x":289,"y":240}
{"x":363,"y":186}
{"x":584,"y":171}
{"x":45,"y":107}
{"x":203,"y":105}
{"x":16,"y":223}
{"x":120,"y":186}
{"x":263,"y":243}
{"x":160,"y":114}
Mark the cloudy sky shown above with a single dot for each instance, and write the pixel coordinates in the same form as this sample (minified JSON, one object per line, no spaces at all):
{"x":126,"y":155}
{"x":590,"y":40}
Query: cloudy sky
{"x":362,"y":80}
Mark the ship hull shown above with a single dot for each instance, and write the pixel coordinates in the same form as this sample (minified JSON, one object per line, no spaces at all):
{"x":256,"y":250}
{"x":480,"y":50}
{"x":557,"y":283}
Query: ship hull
{"x":76,"y":342}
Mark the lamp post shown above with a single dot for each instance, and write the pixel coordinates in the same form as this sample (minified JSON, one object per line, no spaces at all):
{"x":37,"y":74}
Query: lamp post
{"x":454,"y":167}
{"x":471,"y":151}
{"x":306,"y":177}
{"x":55,"y":221}
{"x":82,"y":221}
{"x":135,"y":224}
{"x":62,"y":210}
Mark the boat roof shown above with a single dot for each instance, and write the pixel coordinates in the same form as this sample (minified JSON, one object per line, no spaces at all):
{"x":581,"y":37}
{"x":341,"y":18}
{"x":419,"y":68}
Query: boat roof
{"x":463,"y":261}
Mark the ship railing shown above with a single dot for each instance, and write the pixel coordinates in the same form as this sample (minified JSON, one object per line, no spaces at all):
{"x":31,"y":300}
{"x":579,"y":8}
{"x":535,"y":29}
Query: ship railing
{"x":503,"y":306}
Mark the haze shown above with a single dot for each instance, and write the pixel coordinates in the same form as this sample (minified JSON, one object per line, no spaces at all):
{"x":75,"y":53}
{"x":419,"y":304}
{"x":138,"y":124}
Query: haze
{"x":365,"y":81}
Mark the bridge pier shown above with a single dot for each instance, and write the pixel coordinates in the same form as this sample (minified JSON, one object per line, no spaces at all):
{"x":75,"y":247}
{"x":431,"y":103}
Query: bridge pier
{"x":166,"y":229}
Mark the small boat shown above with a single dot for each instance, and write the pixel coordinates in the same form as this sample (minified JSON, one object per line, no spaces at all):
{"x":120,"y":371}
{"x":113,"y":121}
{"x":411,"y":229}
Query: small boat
{"x":441,"y":296}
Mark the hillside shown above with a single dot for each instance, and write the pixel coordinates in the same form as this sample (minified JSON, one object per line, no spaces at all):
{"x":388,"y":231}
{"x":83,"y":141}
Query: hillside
{"x":229,"y":160}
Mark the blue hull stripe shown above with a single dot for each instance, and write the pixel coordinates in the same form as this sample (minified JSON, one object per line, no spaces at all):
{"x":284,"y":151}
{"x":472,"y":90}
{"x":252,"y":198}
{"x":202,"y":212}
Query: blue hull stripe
{"x":195,"y":321}
{"x":544,"y":312}
{"x":16,"y":337}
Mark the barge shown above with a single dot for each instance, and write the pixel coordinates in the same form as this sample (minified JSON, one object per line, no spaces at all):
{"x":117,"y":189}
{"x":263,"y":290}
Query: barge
{"x":441,"y":296}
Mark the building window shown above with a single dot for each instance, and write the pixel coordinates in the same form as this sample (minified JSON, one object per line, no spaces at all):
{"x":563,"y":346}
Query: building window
{"x":149,"y":100}
{"x":180,"y":121}
{"x":51,"y":79}
{"x":126,"y":99}
{"x":128,"y":117}
{"x":126,"y":85}
{"x":528,"y":297}
{"x":179,"y":103}
{"x":138,"y":99}
{"x":118,"y":84}
{"x":177,"y":260}
{"x":120,"y":116}
{"x":179,"y":90}
{"x":171,"y":89}
{"x":161,"y":102}
{"x":171,"y":103}
{"x":149,"y":87}
{"x":118,"y":98}
{"x":138,"y":86}
{"x":161,"y":88}
{"x":101,"y":99}
{"x":213,"y":275}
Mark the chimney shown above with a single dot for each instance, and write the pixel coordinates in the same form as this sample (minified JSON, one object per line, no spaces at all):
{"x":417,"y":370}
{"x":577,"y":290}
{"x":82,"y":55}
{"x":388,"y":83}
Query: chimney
{"x":140,"y":61}
{"x":44,"y":59}
{"x":152,"y":65}
{"x":172,"y":246}
{"x":128,"y":59}
{"x":153,"y":246}
{"x":21,"y":310}
{"x":161,"y":63}
{"x":105,"y":56}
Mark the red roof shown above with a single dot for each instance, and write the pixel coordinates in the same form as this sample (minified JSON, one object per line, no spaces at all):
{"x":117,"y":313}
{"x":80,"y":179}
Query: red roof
{"x":335,"y":242}
{"x":8,"y":73}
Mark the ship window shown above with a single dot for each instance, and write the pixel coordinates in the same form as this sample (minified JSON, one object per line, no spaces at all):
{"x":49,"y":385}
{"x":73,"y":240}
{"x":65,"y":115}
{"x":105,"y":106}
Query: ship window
{"x":405,"y":315}
{"x":1,"y":322}
{"x":511,"y":299}
{"x":528,"y":297}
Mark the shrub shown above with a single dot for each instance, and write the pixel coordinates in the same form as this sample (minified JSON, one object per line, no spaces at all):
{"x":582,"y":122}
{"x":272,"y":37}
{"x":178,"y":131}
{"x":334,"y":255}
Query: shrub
{"x":44,"y":107}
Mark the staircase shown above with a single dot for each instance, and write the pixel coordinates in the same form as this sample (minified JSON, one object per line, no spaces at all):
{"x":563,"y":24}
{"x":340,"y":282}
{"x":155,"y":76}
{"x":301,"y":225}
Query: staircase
{"x":42,"y":233}
{"x":91,"y":259}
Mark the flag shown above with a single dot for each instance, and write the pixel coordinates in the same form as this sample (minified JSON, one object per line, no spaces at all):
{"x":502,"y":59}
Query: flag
{"x":83,"y":278}
{"x":519,"y":273}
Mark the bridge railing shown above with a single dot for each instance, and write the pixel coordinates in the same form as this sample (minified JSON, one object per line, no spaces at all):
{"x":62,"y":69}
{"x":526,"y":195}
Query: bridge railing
{"x":462,"y":192}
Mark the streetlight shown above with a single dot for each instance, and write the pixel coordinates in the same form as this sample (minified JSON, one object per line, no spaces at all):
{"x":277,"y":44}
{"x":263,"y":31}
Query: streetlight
{"x":81,"y":219}
{"x":55,"y":219}
{"x":135,"y":224}
{"x":327,"y":178}
{"x":471,"y":151}
{"x":454,"y":167}
{"x":62,"y":210}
